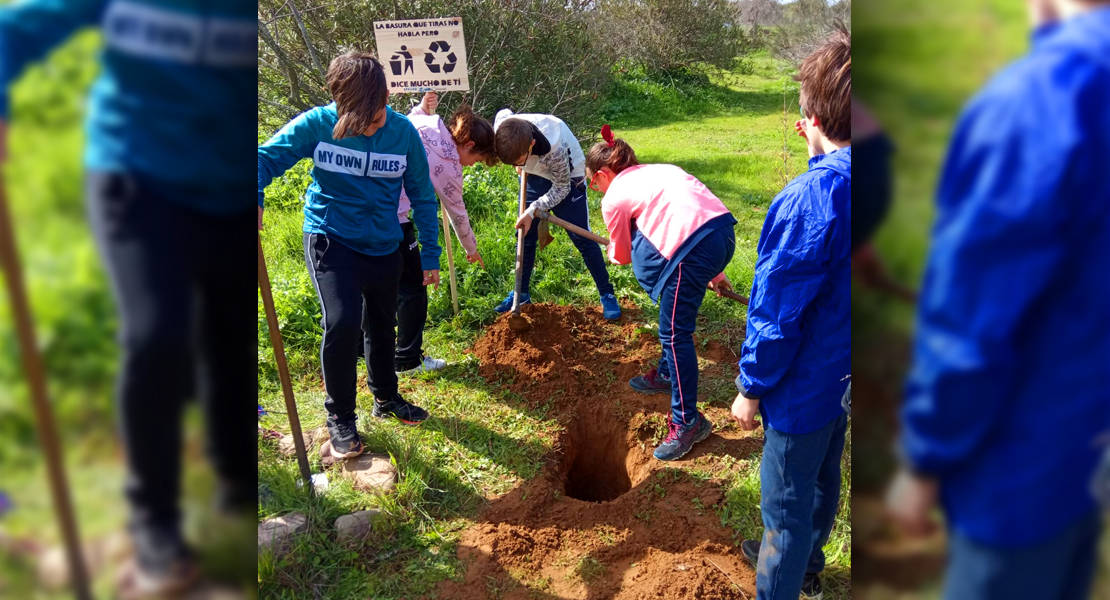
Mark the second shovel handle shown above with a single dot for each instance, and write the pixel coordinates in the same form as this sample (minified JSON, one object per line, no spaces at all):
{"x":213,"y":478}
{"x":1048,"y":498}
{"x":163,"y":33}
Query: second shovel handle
{"x":589,"y":235}
{"x":734,"y":296}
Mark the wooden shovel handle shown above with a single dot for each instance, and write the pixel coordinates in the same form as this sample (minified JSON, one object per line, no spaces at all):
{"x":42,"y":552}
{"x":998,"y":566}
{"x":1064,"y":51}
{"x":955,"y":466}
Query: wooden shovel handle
{"x":734,"y":296}
{"x":589,"y":235}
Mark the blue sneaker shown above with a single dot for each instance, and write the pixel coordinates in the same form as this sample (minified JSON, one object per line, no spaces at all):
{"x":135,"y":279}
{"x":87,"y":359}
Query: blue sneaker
{"x":651,"y":383}
{"x":609,"y":307}
{"x":681,"y":438}
{"x":507,"y":304}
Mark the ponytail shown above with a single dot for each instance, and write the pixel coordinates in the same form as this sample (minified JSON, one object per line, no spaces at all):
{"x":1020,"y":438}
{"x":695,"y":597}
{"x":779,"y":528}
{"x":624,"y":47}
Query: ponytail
{"x":614,"y":153}
{"x":465,"y":126}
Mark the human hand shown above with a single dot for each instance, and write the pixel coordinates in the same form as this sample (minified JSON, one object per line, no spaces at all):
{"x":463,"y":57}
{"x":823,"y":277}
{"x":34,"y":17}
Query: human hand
{"x":722,"y":285}
{"x":524,"y":223}
{"x":429,"y":103}
{"x":744,"y":411}
{"x":518,"y":169}
{"x":476,"y":258}
{"x":800,"y":127}
{"x":910,"y":500}
{"x":432,"y":278}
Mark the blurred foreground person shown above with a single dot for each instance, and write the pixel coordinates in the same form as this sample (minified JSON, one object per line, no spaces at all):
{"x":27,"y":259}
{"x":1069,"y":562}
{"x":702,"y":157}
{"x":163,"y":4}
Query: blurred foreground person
{"x":170,"y":123}
{"x":874,"y":187}
{"x":798,"y":348}
{"x":1008,"y":396}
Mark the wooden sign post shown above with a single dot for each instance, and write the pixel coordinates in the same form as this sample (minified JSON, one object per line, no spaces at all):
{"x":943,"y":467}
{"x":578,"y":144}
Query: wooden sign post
{"x":425,"y":55}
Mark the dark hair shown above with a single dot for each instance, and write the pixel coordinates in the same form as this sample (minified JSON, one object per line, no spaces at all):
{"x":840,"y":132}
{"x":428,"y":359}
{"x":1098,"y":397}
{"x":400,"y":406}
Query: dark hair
{"x":466,"y":127}
{"x":618,"y":158}
{"x":356,"y":81}
{"x":826,"y":76}
{"x":514,"y":137}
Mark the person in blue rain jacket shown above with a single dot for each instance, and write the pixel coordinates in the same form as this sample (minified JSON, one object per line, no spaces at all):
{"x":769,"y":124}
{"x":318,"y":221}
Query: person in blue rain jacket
{"x":797,"y":354}
{"x":170,"y":121}
{"x":362,"y":154}
{"x":1009,"y":392}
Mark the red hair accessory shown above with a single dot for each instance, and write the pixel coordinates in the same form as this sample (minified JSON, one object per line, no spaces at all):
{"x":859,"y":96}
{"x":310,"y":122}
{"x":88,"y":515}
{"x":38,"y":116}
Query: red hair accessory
{"x":607,"y":135}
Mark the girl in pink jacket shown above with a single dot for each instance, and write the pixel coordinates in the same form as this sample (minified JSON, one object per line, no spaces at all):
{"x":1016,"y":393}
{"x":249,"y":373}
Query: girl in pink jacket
{"x":678,"y":237}
{"x":466,"y":140}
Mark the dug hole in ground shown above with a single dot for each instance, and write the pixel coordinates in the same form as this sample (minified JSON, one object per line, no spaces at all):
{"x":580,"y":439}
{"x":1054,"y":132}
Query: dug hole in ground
{"x":605,"y":520}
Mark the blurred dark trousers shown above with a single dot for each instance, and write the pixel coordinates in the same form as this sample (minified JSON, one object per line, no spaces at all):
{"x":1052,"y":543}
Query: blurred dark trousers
{"x":185,"y":285}
{"x":412,"y":307}
{"x":800,"y":491}
{"x":344,"y":281}
{"x":1061,"y":568}
{"x":574,"y":210}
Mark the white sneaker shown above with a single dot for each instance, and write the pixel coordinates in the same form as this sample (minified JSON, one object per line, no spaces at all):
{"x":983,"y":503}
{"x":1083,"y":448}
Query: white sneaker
{"x":427,"y":365}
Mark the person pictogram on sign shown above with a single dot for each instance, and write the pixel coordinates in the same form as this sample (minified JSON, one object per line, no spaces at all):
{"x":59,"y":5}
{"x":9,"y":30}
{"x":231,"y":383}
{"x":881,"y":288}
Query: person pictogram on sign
{"x":439,"y":56}
{"x":396,"y":59}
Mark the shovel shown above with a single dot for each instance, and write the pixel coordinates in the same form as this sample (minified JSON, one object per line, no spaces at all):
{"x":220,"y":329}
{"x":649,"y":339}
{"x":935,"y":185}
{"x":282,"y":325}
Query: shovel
{"x":40,"y":402}
{"x":734,"y":296}
{"x":516,"y":321}
{"x":589,"y":235}
{"x":283,"y":367}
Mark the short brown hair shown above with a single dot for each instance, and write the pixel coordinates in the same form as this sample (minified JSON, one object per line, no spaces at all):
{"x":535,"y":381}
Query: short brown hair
{"x":618,"y":157}
{"x":356,"y":81}
{"x":468,"y":127}
{"x":826,"y":76}
{"x":514,"y":137}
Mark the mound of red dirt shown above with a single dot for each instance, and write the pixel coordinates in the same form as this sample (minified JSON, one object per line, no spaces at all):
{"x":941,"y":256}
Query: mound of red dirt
{"x":606,"y":520}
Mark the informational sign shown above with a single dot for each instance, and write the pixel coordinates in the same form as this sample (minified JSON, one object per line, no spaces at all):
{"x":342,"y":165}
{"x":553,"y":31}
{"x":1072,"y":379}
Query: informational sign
{"x":423,"y":55}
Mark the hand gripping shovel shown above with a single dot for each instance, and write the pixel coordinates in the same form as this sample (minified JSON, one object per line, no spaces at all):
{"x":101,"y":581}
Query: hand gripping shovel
{"x":516,"y":321}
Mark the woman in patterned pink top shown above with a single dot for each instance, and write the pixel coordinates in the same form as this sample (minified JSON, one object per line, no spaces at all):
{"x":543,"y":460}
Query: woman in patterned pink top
{"x":465,"y":140}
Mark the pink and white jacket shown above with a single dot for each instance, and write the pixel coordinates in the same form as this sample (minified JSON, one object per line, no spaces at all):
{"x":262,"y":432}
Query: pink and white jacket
{"x":446,"y":174}
{"x":655,"y":214}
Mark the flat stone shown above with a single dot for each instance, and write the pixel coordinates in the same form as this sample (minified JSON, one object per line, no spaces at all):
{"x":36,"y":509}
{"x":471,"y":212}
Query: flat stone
{"x":355,"y":525}
{"x":311,"y":437}
{"x":372,"y":473}
{"x":53,"y":564}
{"x":275,"y":533}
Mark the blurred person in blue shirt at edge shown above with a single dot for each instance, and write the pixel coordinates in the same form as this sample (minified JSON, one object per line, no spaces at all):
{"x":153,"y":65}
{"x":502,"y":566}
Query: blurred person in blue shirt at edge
{"x":798,"y":350}
{"x":170,"y":130}
{"x":1009,"y":394}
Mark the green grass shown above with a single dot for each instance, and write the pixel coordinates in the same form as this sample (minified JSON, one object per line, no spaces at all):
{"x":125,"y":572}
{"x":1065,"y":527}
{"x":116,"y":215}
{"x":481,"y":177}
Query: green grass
{"x":728,"y":131}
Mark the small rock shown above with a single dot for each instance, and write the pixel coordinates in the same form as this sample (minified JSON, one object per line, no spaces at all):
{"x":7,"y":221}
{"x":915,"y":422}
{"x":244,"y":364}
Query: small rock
{"x":312,"y":436}
{"x":53,"y":563}
{"x":371,"y":473}
{"x":275,"y":533}
{"x":355,"y":525}
{"x":326,"y":458}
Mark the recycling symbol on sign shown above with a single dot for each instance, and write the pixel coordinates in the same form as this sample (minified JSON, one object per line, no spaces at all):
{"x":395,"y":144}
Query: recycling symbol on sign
{"x":439,"y":56}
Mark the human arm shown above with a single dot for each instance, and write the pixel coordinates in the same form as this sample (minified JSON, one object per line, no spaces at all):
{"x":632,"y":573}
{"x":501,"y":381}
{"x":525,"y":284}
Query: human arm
{"x":288,"y":146}
{"x":30,"y":29}
{"x":790,"y":271}
{"x":418,"y":185}
{"x":617,"y":212}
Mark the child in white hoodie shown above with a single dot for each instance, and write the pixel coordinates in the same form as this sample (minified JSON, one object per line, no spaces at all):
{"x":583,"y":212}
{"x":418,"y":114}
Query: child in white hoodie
{"x":544,"y":147}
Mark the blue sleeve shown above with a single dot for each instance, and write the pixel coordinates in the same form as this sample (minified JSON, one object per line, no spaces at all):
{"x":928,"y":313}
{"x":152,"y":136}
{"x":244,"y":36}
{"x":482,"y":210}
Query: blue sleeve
{"x":293,"y":142}
{"x":425,"y":211}
{"x":790,"y":269}
{"x":1009,"y":189}
{"x":30,"y":29}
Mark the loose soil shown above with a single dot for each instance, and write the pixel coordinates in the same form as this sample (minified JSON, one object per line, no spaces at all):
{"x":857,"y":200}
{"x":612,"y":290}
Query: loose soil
{"x":606,"y":520}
